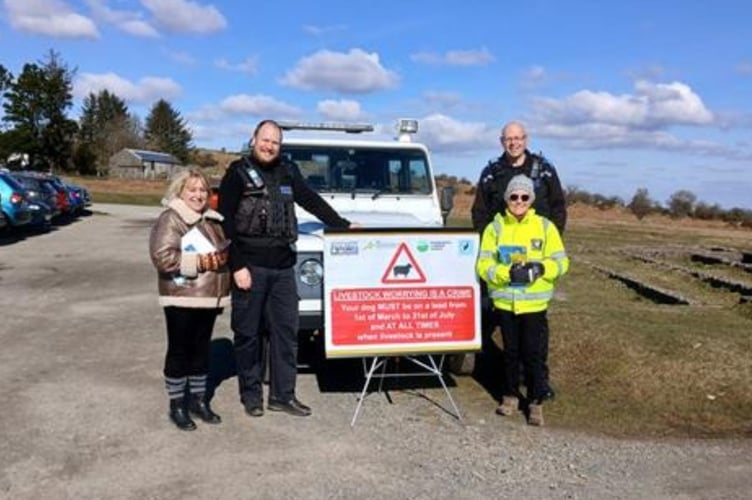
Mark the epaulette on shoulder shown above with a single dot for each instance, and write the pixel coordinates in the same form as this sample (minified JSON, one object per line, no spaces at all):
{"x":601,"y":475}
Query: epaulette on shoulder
{"x":490,"y":165}
{"x":543,"y":161}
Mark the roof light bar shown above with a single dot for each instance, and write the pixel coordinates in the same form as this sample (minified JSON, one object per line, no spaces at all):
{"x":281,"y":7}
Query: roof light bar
{"x":350,"y":128}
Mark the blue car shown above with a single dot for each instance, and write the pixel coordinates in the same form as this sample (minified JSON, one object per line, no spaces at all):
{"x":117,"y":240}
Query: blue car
{"x":3,"y":219}
{"x":38,"y":190}
{"x":13,"y":201}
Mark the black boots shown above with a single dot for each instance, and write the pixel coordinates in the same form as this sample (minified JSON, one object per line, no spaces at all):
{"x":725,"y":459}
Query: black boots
{"x":199,"y":408}
{"x":179,"y":415}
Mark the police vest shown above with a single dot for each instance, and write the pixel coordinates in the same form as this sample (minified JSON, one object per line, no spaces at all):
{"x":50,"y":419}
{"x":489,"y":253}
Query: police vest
{"x":266,"y":211}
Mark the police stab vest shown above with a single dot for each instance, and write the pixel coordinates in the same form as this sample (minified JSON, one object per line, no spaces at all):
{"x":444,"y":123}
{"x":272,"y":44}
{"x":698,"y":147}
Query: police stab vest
{"x":266,"y":212}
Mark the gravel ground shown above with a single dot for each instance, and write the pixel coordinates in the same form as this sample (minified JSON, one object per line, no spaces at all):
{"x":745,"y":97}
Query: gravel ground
{"x":85,"y":413}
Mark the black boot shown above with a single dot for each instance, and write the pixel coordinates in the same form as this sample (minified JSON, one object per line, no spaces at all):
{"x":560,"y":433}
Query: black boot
{"x":199,"y":408}
{"x":179,"y":415}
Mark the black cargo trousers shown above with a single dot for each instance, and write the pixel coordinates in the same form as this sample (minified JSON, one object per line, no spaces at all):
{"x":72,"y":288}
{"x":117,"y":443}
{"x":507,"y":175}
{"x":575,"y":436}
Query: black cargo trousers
{"x":271,"y":305}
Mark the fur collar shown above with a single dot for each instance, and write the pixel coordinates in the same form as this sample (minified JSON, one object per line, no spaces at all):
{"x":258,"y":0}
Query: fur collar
{"x":189,"y":215}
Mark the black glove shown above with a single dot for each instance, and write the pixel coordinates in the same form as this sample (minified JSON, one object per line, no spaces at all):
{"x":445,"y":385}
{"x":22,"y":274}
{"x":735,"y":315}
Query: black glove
{"x":536,"y":268}
{"x":520,"y":274}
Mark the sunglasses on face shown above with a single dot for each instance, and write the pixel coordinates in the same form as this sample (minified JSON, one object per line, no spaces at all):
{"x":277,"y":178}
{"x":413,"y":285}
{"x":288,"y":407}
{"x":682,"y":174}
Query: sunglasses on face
{"x":520,"y":197}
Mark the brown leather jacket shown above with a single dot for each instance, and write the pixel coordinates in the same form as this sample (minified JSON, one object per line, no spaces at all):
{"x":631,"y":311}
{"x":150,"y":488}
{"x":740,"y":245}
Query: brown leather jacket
{"x":180,"y":283}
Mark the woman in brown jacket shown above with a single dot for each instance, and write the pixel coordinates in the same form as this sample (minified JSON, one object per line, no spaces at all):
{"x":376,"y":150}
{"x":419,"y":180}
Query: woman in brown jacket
{"x":189,"y":250}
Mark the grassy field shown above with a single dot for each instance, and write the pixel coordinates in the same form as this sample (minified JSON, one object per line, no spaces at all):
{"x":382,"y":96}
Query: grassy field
{"x":623,"y":364}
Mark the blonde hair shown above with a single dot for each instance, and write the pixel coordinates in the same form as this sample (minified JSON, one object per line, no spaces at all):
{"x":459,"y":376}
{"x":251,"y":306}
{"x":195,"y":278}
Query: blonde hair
{"x":180,"y":180}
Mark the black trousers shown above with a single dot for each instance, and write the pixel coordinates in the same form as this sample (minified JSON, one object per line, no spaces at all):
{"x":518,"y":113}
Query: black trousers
{"x":524,"y":341}
{"x":271,"y":305}
{"x":189,"y":332}
{"x":489,"y":321}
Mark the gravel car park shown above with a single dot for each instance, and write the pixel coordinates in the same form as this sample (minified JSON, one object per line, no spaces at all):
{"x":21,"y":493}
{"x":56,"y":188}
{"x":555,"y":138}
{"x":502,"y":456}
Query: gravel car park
{"x":86,"y":418}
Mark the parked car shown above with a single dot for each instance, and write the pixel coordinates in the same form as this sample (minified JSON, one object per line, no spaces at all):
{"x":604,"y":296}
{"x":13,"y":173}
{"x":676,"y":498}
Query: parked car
{"x":41,"y":215}
{"x":3,"y":219}
{"x":63,"y":199}
{"x":79,"y":197}
{"x":14,"y":204}
{"x":39,"y":190}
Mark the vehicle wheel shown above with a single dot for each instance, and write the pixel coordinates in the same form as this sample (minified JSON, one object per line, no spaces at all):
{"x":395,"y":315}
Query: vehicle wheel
{"x":310,"y":348}
{"x":462,"y":363}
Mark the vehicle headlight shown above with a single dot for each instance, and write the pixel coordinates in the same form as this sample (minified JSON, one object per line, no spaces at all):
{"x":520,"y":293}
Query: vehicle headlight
{"x":311,"y":272}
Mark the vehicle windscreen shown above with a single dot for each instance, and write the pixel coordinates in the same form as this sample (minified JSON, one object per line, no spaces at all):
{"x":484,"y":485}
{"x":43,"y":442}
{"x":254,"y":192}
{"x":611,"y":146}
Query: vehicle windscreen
{"x":12,"y":182}
{"x":338,"y":169}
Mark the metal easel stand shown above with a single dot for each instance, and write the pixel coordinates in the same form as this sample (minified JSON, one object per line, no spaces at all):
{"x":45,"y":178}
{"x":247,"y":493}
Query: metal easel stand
{"x":432,"y":368}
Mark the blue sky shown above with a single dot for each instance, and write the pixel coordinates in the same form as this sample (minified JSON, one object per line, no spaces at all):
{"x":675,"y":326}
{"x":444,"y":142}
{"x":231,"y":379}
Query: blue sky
{"x":618,"y":95}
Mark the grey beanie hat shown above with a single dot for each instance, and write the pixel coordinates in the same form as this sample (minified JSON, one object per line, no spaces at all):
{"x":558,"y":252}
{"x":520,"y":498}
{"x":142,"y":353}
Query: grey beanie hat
{"x":520,"y":183}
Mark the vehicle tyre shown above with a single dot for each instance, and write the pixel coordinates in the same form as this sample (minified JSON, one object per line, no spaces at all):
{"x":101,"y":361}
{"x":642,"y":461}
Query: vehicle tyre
{"x":462,"y":363}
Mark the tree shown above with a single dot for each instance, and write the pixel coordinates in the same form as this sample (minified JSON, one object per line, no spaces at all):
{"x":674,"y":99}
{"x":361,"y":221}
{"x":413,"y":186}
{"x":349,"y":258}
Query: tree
{"x":6,"y":78}
{"x":641,"y":204}
{"x":35,"y":106}
{"x":166,"y":131}
{"x":106,"y":127}
{"x":708,"y":212}
{"x":682,"y":203}
{"x":203,"y":159}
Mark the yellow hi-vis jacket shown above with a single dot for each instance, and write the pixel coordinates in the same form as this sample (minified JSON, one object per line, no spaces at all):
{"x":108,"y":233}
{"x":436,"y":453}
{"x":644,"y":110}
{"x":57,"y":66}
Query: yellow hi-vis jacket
{"x":532,"y":239}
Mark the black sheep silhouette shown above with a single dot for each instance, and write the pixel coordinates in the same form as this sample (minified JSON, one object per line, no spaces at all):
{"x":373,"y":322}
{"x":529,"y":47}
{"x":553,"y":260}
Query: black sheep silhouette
{"x":403,"y":270}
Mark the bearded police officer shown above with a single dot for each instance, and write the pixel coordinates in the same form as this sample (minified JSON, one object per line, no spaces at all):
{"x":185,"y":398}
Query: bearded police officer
{"x":257,"y":197}
{"x":489,"y":200}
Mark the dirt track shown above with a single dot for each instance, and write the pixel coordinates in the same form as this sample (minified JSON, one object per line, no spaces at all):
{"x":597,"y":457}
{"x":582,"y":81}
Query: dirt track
{"x":84,"y":413}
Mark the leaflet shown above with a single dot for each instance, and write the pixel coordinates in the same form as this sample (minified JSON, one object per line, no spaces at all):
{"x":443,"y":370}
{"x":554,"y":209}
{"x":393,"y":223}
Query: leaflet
{"x":512,"y":254}
{"x":194,"y":241}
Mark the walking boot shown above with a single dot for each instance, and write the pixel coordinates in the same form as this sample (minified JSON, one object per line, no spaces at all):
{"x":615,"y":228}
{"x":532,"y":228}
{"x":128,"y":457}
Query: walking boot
{"x":199,"y":407}
{"x":179,"y":415}
{"x":536,"y":414}
{"x":509,"y":406}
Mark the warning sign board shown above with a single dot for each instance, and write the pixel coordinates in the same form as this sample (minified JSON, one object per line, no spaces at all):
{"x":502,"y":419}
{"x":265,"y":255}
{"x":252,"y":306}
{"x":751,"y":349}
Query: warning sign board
{"x":400,"y":292}
{"x":403,"y":268}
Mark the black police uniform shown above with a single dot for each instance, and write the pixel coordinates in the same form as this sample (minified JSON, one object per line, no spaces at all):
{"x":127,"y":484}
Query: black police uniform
{"x":549,"y":202}
{"x":549,"y":195}
{"x":258,"y":203}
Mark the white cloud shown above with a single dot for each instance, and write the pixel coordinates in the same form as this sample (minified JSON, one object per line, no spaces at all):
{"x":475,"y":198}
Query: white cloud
{"x":744,"y":68}
{"x":474,"y":57}
{"x":146,"y":90}
{"x":534,"y":75}
{"x":258,"y":105}
{"x":343,"y":109}
{"x":249,"y":65}
{"x":354,"y":72}
{"x":180,"y":56}
{"x":443,"y":133}
{"x":184,"y":16}
{"x":600,"y":120}
{"x":49,"y":17}
{"x":316,"y":30}
{"x":130,"y":22}
{"x":652,"y":106}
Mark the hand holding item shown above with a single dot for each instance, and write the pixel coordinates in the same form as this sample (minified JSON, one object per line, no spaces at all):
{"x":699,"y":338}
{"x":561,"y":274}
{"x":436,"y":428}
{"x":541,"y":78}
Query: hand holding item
{"x":211,"y":261}
{"x":520,"y":274}
{"x":536,"y":268}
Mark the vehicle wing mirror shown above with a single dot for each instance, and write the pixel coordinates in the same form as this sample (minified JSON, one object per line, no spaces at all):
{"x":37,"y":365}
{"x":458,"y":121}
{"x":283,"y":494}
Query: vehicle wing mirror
{"x":446,"y":200}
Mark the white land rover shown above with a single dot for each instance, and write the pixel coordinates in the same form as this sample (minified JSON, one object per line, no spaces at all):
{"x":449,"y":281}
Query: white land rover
{"x":374,"y":183}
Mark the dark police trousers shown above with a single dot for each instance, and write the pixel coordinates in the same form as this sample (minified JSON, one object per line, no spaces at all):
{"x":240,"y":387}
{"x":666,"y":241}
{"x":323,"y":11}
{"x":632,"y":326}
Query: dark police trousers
{"x":270,"y":305}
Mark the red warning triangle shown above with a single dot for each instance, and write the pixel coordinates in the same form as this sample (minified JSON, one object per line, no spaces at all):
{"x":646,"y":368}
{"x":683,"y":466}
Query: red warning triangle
{"x":403,"y":268}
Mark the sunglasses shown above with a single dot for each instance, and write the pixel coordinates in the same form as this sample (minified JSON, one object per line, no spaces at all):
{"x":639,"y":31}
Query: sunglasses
{"x":521,"y":197}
